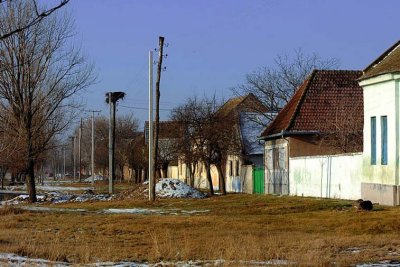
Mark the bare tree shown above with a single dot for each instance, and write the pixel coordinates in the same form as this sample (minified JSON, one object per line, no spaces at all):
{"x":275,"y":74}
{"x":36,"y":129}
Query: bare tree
{"x":40,"y":14}
{"x":274,"y":86}
{"x":344,"y":129}
{"x":125,"y":133}
{"x":40,"y":74}
{"x":126,"y":130}
{"x":208,"y":137}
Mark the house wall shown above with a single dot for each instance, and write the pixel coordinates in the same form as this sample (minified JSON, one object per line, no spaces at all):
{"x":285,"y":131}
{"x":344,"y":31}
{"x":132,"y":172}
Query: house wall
{"x":381,"y":98}
{"x":200,"y":177}
{"x":337,"y":176}
{"x":309,"y":145}
{"x":172,"y":171}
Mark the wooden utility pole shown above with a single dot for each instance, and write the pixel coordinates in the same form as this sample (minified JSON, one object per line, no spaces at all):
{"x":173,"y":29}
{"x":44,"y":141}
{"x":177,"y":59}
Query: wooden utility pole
{"x":157,"y":115}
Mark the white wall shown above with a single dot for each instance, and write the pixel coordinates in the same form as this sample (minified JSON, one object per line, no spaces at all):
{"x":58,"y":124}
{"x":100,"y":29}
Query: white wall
{"x":336,"y":176}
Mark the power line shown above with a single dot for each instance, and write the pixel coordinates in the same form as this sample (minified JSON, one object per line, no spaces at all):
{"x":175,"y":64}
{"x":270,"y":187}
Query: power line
{"x":166,"y":109}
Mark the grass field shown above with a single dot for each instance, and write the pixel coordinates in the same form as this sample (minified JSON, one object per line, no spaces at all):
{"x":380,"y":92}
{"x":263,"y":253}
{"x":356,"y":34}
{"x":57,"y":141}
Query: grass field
{"x":303,"y":231}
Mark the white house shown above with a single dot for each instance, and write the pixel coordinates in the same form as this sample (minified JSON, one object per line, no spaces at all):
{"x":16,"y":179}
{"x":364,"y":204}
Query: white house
{"x":381,"y":88}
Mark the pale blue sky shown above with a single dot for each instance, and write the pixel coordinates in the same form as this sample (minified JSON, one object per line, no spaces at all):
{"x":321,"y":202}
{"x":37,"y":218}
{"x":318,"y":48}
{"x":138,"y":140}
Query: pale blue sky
{"x":213,"y":44}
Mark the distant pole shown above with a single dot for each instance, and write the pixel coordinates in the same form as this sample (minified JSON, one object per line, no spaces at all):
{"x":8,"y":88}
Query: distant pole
{"x":92,"y":157}
{"x":110,"y":146}
{"x":63,"y":161}
{"x":92,"y":147}
{"x":80,"y":152}
{"x":74,"y":156}
{"x":150,"y":137}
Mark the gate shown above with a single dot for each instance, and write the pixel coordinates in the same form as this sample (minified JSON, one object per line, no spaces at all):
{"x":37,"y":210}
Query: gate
{"x":258,"y":180}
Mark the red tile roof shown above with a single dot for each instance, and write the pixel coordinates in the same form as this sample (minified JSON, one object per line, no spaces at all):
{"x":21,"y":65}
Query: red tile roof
{"x":315,"y":104}
{"x":388,"y":62}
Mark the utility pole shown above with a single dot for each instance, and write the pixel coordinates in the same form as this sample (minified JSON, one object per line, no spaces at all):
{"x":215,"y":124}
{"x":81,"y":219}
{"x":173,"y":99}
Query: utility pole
{"x":150,"y":137}
{"x":63,"y":148}
{"x":111,"y":174}
{"x":157,"y":115}
{"x":73,"y":155}
{"x":92,"y":158}
{"x":80,"y":151}
{"x":112,"y":99}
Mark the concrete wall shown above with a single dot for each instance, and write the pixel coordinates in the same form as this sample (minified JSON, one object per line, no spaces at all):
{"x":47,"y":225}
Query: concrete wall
{"x":337,"y":176}
{"x":242,"y":183}
{"x":381,"y":193}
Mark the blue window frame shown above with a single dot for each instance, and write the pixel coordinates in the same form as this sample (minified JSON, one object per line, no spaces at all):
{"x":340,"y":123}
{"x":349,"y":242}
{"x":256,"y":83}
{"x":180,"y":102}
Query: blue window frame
{"x":373,"y":140}
{"x":384,"y":140}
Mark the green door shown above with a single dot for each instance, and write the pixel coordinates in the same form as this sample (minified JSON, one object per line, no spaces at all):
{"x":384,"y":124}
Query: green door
{"x":258,"y":180}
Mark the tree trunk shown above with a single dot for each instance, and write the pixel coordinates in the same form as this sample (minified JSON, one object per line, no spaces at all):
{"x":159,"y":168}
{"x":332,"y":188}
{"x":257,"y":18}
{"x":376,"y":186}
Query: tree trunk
{"x":192,"y":172}
{"x":222,"y":186}
{"x":30,"y":181}
{"x":165,"y":170}
{"x":209,"y":179}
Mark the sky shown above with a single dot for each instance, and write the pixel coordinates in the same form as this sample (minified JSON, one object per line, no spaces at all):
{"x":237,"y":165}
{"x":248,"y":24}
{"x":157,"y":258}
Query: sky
{"x":213,"y":44}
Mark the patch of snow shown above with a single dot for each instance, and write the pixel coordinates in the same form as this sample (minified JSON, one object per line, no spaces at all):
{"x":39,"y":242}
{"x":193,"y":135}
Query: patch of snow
{"x":50,"y":209}
{"x":133,"y":211}
{"x":96,"y":178}
{"x":10,"y":259}
{"x":154,"y":211}
{"x":352,"y":250}
{"x":174,"y":188}
{"x":194,"y":211}
{"x":62,"y":188}
{"x":16,"y":260}
{"x":62,"y":199}
{"x":387,"y":263}
{"x":89,"y":197}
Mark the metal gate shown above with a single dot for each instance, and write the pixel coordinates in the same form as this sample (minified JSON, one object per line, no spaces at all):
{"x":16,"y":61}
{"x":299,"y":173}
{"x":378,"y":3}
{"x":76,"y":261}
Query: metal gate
{"x":277,"y":175}
{"x":258,"y":180}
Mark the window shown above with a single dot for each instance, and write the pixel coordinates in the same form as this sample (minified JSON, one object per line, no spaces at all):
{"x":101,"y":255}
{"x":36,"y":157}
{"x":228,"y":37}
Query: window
{"x":230,"y":168}
{"x":384,"y":138}
{"x":373,"y":140}
{"x":237,"y":168}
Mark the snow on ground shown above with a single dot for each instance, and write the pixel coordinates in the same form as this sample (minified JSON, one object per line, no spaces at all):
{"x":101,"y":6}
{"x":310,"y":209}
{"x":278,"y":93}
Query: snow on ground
{"x":155,"y":211}
{"x":50,"y":188}
{"x":15,"y":260}
{"x":59,"y":197}
{"x":174,"y":188}
{"x":96,"y":178}
{"x":50,"y":209}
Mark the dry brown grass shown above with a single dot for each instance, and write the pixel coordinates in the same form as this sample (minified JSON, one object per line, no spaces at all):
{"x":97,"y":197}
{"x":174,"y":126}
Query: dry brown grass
{"x":304,"y":231}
